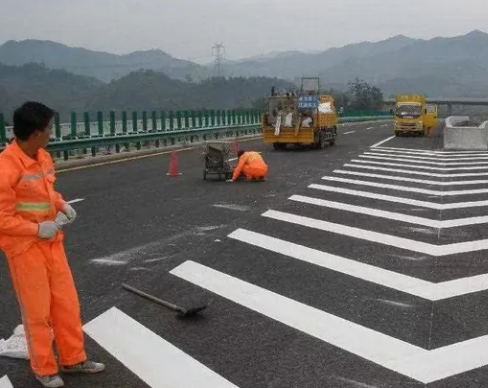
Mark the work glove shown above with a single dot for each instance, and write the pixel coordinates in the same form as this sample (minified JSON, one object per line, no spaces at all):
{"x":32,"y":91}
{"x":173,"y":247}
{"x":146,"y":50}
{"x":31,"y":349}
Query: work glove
{"x":47,"y":230}
{"x":69,"y":212}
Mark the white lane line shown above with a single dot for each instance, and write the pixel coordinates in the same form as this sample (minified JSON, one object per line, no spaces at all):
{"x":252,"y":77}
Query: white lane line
{"x":376,"y":153}
{"x":370,"y":273}
{"x":439,"y":224}
{"x":391,"y":353}
{"x":380,"y":238}
{"x":154,"y":360}
{"x":76,"y":200}
{"x":5,"y":382}
{"x":406,"y":165}
{"x":439,"y":156}
{"x":369,"y":128}
{"x":406,"y":201}
{"x":438,"y":152}
{"x":411,"y":172}
{"x":412,"y":180}
{"x":423,"y":161}
{"x":347,"y":133}
{"x":406,"y":188}
{"x":382,"y":141}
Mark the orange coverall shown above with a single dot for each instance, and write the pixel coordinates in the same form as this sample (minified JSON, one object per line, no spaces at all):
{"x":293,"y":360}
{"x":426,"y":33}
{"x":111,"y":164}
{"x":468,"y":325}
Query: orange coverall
{"x":252,"y":165}
{"x":39,"y":268}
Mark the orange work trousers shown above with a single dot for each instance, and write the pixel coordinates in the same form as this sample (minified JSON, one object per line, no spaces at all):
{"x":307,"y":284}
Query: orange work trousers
{"x":49,"y":306}
{"x":252,"y":171}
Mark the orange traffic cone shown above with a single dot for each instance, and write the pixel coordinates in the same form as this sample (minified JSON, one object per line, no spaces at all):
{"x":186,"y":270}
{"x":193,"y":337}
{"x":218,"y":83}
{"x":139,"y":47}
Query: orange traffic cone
{"x":235,"y":147}
{"x":173,"y":166}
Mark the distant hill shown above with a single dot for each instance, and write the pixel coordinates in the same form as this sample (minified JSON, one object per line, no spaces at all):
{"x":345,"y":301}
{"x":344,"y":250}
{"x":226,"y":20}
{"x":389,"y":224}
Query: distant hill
{"x":101,"y":65}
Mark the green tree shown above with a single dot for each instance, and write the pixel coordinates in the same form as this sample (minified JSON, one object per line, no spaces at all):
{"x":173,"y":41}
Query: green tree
{"x":364,"y":96}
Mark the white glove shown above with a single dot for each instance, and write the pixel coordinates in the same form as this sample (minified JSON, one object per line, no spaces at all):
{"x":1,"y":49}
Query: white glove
{"x":47,"y":230}
{"x":69,"y":212}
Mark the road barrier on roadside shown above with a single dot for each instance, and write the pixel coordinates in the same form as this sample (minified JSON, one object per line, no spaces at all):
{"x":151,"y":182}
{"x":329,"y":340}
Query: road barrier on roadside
{"x":461,"y":134}
{"x":155,"y":129}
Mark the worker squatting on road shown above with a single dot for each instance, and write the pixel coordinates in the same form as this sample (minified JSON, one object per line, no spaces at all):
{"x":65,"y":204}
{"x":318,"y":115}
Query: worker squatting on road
{"x":251,"y":165}
{"x":32,"y":240}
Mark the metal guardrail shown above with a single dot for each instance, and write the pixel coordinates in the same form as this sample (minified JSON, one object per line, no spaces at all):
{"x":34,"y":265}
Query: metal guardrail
{"x":167,"y":129}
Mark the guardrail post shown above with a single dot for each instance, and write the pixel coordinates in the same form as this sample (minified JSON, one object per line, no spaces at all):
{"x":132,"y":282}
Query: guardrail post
{"x":144,"y":121}
{"x":100,"y":123}
{"x":134,"y":121}
{"x":57,"y":126}
{"x":163,"y":121}
{"x":112,"y":123}
{"x":3,"y":131}
{"x":86,"y":123}
{"x":124,"y":122}
{"x":154,"y":121}
{"x":192,"y":119}
{"x":200,"y":119}
{"x":171,"y":120}
{"x":212,"y":118}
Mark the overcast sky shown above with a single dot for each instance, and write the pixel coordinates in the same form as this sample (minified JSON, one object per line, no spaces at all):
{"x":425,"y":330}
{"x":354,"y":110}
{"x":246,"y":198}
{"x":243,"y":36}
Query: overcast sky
{"x":189,"y":28}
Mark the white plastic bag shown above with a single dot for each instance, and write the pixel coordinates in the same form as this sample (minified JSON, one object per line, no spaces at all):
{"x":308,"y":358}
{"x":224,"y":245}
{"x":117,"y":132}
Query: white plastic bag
{"x":16,"y":345}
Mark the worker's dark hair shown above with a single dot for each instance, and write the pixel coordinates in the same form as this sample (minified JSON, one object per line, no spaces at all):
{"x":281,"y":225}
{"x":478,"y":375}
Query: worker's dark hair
{"x":239,"y":154}
{"x":31,"y":117}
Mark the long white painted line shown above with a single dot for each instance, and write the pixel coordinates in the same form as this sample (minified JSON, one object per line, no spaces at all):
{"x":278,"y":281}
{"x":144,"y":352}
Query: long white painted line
{"x":395,"y":199}
{"x":380,"y":238}
{"x":439,"y":156}
{"x":347,"y":133}
{"x":370,"y":128}
{"x":422,"y":161}
{"x":452,"y":159}
{"x":76,"y":200}
{"x":5,"y":382}
{"x":439,"y":224}
{"x":155,"y":361}
{"x":406,"y":188}
{"x":413,"y":361}
{"x":370,"y":273}
{"x":412,"y":180}
{"x":438,"y":152}
{"x":411,"y":172}
{"x":382,"y":141}
{"x":406,"y":165}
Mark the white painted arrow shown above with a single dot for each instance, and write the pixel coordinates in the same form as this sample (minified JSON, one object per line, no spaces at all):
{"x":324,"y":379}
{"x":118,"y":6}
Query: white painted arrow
{"x":367,"y":272}
{"x":421,"y":161}
{"x":155,"y":361}
{"x":391,"y":353}
{"x":437,"y":152}
{"x":446,"y":159}
{"x":395,"y":199}
{"x":413,"y":166}
{"x":413,"y":180}
{"x":380,"y":238}
{"x":412,"y":172}
{"x":5,"y":382}
{"x":440,"y":156}
{"x":437,"y":224}
{"x":406,"y":188}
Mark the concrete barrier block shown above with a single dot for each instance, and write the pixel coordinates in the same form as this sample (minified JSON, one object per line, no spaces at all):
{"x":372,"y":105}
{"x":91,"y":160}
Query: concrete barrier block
{"x":459,"y":135}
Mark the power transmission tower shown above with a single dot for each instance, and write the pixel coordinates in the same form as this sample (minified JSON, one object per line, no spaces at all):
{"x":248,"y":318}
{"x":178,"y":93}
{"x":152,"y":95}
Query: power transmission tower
{"x":218,"y":51}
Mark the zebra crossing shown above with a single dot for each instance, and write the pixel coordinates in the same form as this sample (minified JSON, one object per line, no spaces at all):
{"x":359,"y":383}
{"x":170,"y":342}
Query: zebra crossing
{"x":329,"y":207}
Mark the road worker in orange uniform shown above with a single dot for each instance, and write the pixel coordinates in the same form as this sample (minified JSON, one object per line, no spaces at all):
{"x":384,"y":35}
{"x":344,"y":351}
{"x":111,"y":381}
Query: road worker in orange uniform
{"x":32,"y":240}
{"x":251,"y":165}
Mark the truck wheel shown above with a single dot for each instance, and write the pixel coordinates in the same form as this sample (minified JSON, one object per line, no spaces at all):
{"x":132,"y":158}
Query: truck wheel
{"x":323,"y":141}
{"x":332,"y":143}
{"x":277,"y":146}
{"x":397,"y":133}
{"x":204,"y":174}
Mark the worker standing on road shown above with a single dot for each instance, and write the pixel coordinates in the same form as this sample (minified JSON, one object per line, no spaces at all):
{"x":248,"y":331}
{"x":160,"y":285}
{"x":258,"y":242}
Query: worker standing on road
{"x":251,"y":165}
{"x":33,"y":243}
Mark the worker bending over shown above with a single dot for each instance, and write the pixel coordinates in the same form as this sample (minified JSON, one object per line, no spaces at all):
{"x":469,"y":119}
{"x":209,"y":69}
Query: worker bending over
{"x":251,"y":165}
{"x":32,"y":240}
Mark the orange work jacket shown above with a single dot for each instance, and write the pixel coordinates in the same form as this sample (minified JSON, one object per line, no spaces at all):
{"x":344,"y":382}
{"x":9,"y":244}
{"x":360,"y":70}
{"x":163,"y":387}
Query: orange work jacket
{"x":27,"y":197}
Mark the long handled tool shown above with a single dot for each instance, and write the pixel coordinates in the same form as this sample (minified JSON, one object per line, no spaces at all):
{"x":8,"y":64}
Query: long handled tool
{"x":182,"y":312}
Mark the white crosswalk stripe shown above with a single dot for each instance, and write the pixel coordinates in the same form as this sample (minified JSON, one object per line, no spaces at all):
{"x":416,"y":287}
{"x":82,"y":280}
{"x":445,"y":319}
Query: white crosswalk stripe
{"x":420,"y":364}
{"x":370,"y":273}
{"x":406,"y":165}
{"x":414,"y":172}
{"x":429,"y":151}
{"x":439,"y":193}
{"x":413,"y":180}
{"x":445,"y":159}
{"x":427,"y":162}
{"x":439,"y":224}
{"x":154,"y":360}
{"x":5,"y":382}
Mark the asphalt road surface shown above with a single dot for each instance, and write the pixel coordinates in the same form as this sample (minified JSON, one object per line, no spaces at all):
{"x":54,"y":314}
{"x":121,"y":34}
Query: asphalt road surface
{"x":362,"y":265}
